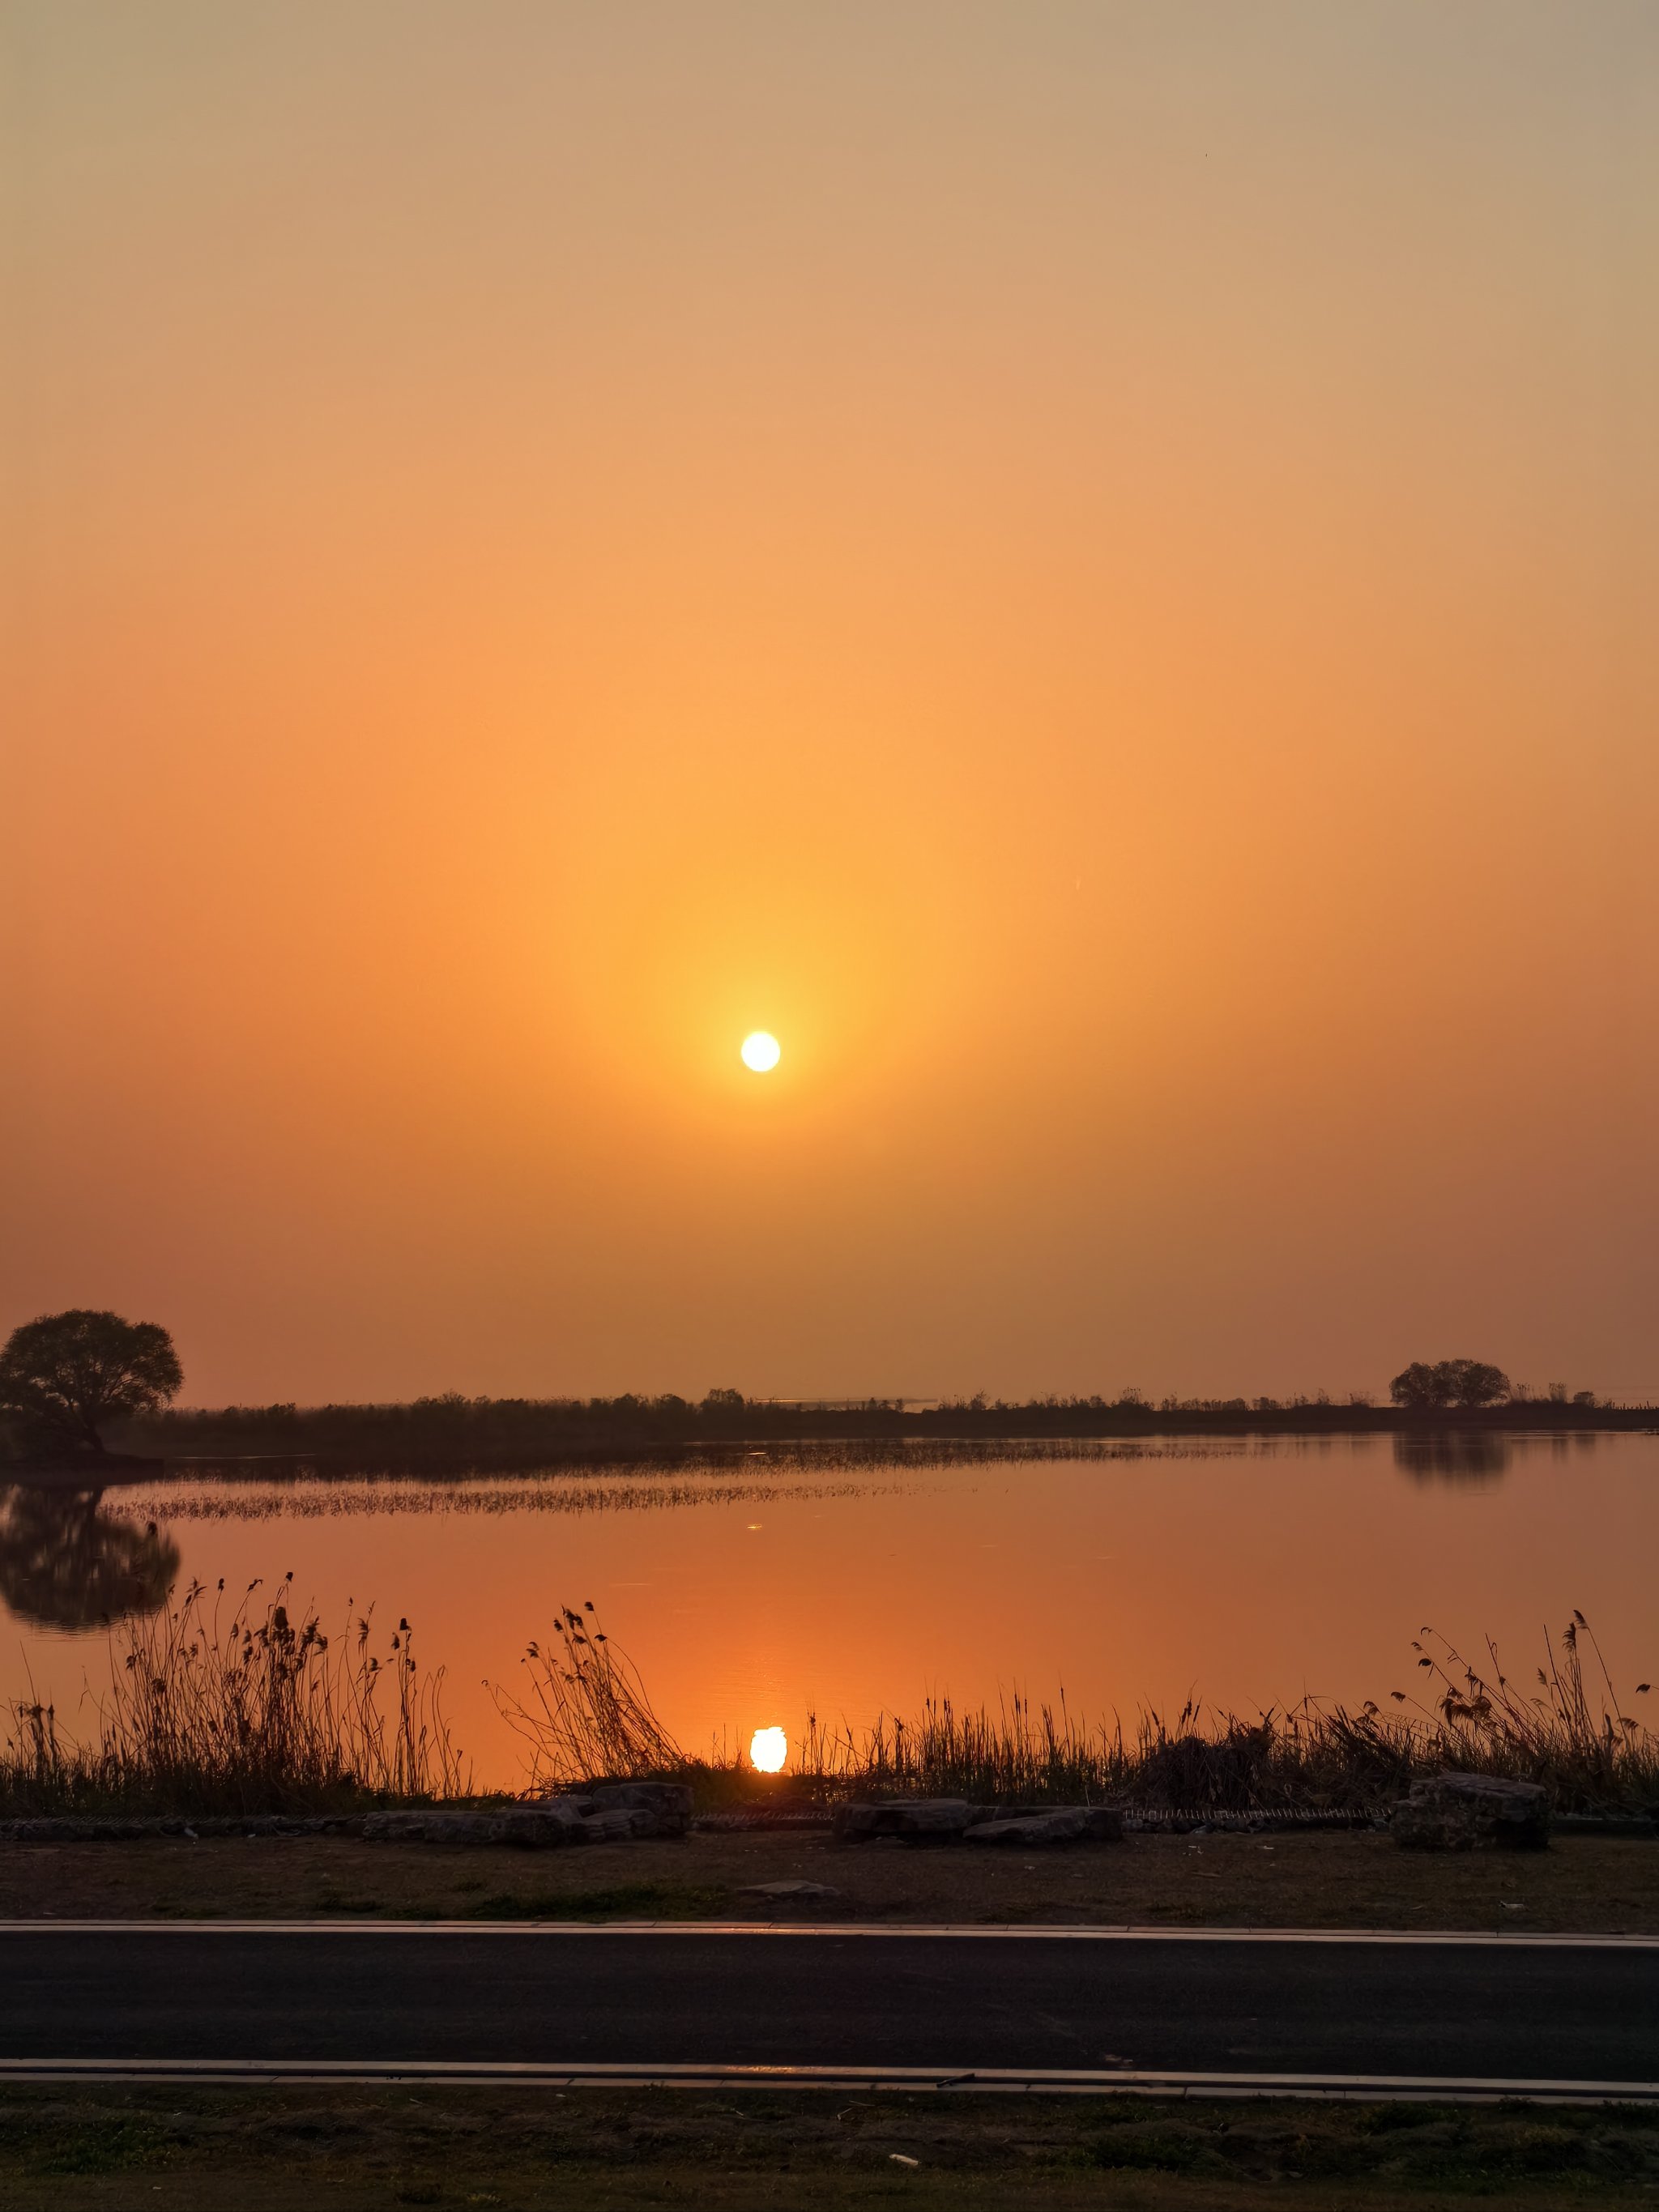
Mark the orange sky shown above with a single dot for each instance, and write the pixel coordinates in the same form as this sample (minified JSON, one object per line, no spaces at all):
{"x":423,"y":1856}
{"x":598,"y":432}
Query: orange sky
{"x":1089,"y":566}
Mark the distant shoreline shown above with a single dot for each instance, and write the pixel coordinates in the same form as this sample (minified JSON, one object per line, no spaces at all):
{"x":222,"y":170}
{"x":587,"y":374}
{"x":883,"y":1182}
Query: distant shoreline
{"x":499,"y":1435}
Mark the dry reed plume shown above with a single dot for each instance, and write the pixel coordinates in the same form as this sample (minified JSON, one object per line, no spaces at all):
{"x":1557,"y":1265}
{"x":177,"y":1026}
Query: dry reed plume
{"x":252,"y":1713}
{"x":586,"y":1713}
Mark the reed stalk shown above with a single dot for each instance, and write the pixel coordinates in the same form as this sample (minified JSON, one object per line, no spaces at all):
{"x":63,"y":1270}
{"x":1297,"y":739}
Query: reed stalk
{"x":243,"y":1711}
{"x":585,"y":1712}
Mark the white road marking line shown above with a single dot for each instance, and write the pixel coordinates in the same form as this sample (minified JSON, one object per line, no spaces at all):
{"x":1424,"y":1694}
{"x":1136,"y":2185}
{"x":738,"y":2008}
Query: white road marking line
{"x":793,"y":1931}
{"x":1071,"y":2082}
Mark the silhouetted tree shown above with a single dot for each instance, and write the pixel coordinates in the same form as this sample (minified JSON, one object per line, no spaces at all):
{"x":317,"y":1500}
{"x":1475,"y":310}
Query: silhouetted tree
{"x":66,"y":1564}
{"x":1421,"y":1388}
{"x":65,"y":1375}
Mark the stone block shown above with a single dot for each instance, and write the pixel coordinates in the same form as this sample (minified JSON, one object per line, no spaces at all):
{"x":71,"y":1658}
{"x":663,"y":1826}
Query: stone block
{"x":1053,"y":1824}
{"x":915,"y":1819}
{"x":624,"y":1825}
{"x":668,"y":1804}
{"x":1472,"y":1813}
{"x":528,"y":1828}
{"x":1064,"y":1825}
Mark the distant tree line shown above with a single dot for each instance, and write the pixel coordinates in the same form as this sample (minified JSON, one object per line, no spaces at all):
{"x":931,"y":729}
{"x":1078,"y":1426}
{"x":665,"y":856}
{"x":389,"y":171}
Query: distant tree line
{"x":454,"y":1432}
{"x":74,"y":1385}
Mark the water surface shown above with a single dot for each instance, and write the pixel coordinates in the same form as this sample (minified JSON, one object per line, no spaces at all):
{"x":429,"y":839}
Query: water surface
{"x":1245,"y":1572}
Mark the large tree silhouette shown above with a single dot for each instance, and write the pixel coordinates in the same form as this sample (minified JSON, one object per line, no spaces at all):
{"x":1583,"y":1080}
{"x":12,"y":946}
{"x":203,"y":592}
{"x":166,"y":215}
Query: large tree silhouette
{"x":64,"y":1376}
{"x":1423,"y":1389}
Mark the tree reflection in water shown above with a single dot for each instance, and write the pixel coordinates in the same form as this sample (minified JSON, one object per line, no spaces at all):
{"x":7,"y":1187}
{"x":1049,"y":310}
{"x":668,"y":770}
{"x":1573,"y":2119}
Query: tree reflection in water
{"x":1470,"y":1455}
{"x":65,"y":1563}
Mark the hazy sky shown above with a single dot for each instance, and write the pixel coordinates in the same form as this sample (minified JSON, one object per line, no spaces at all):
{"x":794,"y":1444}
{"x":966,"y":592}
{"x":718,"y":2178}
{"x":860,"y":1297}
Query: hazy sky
{"x":1089,"y":566}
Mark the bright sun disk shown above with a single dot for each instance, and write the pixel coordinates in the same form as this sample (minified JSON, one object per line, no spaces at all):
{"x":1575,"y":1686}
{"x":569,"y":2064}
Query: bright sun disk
{"x":761,"y":1051}
{"x":767,"y":1749}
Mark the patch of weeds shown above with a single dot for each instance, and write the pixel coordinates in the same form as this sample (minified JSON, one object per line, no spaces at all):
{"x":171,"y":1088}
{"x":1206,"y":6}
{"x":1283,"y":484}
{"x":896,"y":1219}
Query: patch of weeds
{"x":633,"y":1900}
{"x":1323,"y":2153}
{"x":1624,"y":2156}
{"x":312,"y":2128}
{"x":1391,"y":2120}
{"x":1546,"y":2149}
{"x":115,"y":2146}
{"x":1440,"y":2150}
{"x":1159,"y":2150}
{"x":416,"y":2188}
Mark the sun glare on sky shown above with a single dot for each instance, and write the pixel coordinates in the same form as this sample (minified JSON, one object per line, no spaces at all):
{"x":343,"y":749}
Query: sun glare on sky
{"x":947,"y":526}
{"x":767,"y":1749}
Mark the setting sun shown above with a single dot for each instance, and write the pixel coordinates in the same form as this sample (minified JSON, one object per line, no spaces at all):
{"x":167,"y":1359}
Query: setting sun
{"x":769,"y":1747}
{"x":1088,"y":561}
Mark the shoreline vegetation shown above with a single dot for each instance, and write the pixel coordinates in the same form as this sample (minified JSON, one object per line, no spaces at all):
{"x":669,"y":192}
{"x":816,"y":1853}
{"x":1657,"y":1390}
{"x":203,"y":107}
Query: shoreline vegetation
{"x":244,"y":1706}
{"x":451,"y":1432}
{"x":85,"y":1394}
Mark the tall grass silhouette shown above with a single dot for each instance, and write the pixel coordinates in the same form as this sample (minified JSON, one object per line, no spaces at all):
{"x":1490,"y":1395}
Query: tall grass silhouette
{"x":252,"y":1709}
{"x":585,"y":1712}
{"x":589,"y":1714}
{"x":242,"y":1710}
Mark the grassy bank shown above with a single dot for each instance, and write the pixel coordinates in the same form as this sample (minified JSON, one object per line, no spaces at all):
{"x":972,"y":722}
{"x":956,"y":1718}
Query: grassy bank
{"x":585,"y":1710}
{"x":1588,"y":1885}
{"x":73,"y":2150}
{"x":223,"y":1704}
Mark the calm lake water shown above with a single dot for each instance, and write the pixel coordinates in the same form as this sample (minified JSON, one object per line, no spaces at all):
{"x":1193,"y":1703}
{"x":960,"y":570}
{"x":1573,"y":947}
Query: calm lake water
{"x":1246,"y":1572}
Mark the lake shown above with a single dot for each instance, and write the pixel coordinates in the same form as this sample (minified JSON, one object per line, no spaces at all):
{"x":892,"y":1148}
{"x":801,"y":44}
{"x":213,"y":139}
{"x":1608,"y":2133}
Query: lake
{"x":1247,"y":1572}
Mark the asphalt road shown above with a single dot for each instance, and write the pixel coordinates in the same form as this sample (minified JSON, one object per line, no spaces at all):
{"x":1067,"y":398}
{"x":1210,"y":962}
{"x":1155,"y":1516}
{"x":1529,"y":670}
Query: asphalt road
{"x":1513,"y":2011}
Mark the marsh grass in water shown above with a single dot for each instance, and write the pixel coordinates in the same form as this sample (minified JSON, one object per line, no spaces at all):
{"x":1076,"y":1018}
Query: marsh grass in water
{"x":304,"y":1496}
{"x":727,"y":1475}
{"x":1581,"y":1745}
{"x":588,"y":1713}
{"x":254,"y":1711}
{"x":244,"y":1709}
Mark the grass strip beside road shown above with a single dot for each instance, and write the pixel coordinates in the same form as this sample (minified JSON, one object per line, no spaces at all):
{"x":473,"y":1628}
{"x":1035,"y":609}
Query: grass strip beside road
{"x":1591,"y":1885}
{"x":81,"y":2150}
